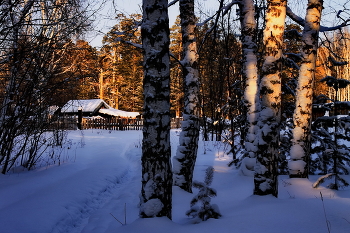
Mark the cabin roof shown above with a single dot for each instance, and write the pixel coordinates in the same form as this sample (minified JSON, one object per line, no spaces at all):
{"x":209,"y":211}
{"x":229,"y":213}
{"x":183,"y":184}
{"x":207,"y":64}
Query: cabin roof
{"x":87,"y":106}
{"x":119,"y":113}
{"x":95,"y":107}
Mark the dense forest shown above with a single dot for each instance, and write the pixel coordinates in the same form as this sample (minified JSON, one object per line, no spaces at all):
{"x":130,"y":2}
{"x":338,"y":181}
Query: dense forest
{"x":253,"y":73}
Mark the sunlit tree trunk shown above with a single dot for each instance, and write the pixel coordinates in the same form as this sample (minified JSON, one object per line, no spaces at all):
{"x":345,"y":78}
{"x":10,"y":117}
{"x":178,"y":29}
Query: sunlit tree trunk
{"x":156,"y":191}
{"x":265,"y":177}
{"x":100,"y":84}
{"x":340,"y":45}
{"x":187,"y":150}
{"x":250,"y":75}
{"x":300,"y":150}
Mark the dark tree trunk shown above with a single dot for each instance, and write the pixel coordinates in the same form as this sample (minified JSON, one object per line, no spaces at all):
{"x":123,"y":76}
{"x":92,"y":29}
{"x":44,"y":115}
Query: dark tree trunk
{"x":156,"y":192}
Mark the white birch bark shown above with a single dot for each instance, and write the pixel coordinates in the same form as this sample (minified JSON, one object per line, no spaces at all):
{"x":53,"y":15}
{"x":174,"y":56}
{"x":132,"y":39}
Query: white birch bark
{"x":184,"y":161}
{"x":251,"y":77}
{"x":300,"y":150}
{"x":265,"y":177}
{"x":156,"y":191}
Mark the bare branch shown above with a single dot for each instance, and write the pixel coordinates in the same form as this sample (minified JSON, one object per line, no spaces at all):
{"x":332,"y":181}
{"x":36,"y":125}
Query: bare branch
{"x":172,"y":3}
{"x":224,"y":8}
{"x":301,"y":22}
{"x":295,"y":17}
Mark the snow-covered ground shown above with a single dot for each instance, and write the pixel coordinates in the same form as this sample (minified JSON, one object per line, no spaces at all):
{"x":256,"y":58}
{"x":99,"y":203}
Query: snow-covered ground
{"x":96,"y":189}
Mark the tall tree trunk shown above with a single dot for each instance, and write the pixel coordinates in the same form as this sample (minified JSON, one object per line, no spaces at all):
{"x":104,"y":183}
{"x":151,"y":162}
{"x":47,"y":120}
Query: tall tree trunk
{"x":156,"y":191}
{"x":300,"y":150}
{"x":100,"y":84}
{"x":186,"y":154}
{"x":266,"y":173}
{"x":251,"y":77}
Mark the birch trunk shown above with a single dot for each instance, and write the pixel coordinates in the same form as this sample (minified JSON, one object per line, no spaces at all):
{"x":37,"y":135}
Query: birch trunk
{"x":186,"y":154}
{"x":250,"y":75}
{"x":265,"y":177}
{"x":300,"y":150}
{"x":156,"y":191}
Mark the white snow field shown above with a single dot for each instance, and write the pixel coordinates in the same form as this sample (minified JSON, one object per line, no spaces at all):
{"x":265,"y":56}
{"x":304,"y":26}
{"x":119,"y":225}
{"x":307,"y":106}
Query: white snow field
{"x":96,"y":189}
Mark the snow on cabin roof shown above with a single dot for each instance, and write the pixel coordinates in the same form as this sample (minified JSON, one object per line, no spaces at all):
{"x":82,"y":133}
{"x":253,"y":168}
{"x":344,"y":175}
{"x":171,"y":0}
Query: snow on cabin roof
{"x":91,"y":105}
{"x":120,"y":113}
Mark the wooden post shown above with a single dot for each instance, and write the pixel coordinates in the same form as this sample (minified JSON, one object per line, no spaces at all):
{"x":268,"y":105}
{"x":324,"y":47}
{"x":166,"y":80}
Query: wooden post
{"x":80,"y":118}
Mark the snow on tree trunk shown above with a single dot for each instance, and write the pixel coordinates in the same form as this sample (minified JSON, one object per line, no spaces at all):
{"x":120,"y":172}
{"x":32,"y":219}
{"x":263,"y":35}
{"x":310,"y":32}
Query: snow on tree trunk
{"x":184,"y":161}
{"x":300,"y":150}
{"x":250,"y":74}
{"x":156,"y":191}
{"x":265,"y":177}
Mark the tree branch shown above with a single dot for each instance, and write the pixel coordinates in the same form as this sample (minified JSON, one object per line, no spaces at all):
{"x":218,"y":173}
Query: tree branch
{"x":172,"y":3}
{"x":177,"y":60}
{"x":301,"y":22}
{"x":222,"y":7}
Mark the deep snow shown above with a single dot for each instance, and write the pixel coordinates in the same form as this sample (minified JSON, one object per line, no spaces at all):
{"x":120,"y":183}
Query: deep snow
{"x":100,"y":176}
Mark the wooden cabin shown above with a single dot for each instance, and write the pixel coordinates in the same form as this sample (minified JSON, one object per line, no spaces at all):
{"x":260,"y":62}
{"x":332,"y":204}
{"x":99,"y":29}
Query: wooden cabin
{"x":96,"y":113}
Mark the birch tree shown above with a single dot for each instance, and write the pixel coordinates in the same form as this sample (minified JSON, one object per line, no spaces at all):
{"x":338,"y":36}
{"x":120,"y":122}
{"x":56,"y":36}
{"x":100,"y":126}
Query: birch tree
{"x":265,"y":177}
{"x":156,"y":190}
{"x":186,"y":154}
{"x":251,"y":77}
{"x":300,"y":150}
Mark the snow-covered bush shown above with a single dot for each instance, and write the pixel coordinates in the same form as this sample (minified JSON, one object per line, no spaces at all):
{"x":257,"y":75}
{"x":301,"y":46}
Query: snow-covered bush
{"x":206,"y":210}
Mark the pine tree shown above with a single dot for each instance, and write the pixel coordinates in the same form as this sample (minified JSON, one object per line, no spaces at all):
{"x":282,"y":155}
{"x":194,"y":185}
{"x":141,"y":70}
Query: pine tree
{"x":121,"y":64}
{"x":176,"y":80}
{"x":336,"y":154}
{"x":205,"y":193}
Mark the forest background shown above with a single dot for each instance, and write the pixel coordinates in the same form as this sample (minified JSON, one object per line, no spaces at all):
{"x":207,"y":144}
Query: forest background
{"x":46,"y":60}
